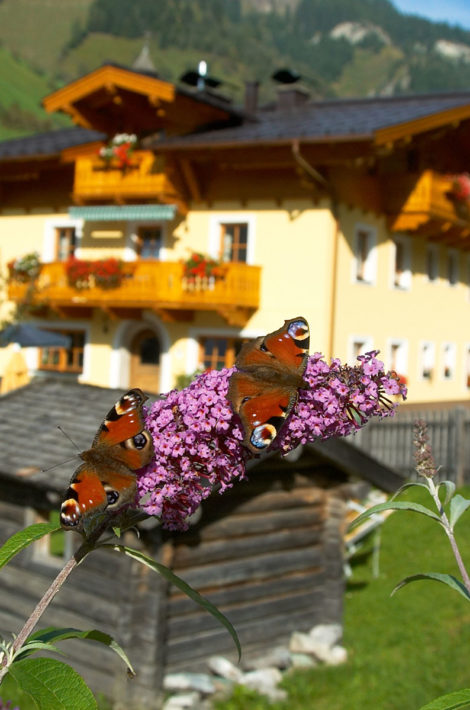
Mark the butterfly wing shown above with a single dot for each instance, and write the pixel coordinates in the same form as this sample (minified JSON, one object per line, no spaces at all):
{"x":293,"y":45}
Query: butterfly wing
{"x":286,"y":349}
{"x":262,"y":408}
{"x":105,"y":481}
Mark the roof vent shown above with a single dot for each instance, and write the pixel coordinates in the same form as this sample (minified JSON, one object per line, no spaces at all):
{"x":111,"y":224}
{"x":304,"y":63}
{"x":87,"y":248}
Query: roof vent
{"x":289,"y":93}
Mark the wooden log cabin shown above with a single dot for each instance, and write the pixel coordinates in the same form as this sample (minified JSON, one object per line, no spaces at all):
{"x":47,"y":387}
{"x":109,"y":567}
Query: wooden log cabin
{"x":268,"y":553}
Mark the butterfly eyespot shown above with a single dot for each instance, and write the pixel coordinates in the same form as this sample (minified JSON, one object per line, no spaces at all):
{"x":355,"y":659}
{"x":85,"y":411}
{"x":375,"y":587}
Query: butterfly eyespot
{"x":263,"y":436}
{"x":112,"y":497}
{"x":140,"y":441}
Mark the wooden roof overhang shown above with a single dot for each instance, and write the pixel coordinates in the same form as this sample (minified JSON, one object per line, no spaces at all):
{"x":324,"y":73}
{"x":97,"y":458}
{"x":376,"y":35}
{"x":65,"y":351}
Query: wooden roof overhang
{"x":282,"y":168}
{"x":114,"y":99}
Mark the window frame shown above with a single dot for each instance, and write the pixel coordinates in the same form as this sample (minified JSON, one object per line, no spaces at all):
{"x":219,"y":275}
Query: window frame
{"x":369,"y":263}
{"x":433,"y":251}
{"x":51,"y":227}
{"x":443,"y":366}
{"x":230,"y":351}
{"x":62,"y":367}
{"x":452,"y":264}
{"x":421,"y":363}
{"x":368,"y":345}
{"x":215,"y":231}
{"x":401,"y":280}
{"x":401,"y":368}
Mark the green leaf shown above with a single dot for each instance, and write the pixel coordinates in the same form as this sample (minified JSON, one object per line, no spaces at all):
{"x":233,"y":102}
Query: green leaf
{"x":451,"y":701}
{"x":30,"y":647}
{"x":181,"y":584}
{"x":450,"y":490}
{"x":448,"y":579}
{"x":394,"y":505}
{"x":410,"y":484}
{"x":458,"y":505}
{"x":52,"y":634}
{"x":17,"y":542}
{"x":52,"y":684}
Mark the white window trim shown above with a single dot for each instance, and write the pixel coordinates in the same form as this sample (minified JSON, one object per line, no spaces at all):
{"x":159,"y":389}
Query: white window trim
{"x":232,"y":218}
{"x":401,"y":342}
{"x":405,"y":284}
{"x":49,"y":241}
{"x":453,"y":255}
{"x":434,"y":248}
{"x":368,"y":341}
{"x":453,"y":350}
{"x":371,"y":264}
{"x":422,"y":344}
{"x":131,"y":235}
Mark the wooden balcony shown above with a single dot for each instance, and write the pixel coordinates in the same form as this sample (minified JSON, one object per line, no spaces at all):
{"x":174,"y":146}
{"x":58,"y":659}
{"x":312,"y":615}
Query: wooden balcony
{"x":141,"y":180}
{"x":423,"y":204}
{"x":156,"y":285}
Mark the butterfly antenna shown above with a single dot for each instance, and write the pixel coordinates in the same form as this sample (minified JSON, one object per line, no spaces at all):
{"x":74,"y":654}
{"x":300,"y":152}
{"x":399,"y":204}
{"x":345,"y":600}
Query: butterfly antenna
{"x":45,"y":470}
{"x":69,"y":438}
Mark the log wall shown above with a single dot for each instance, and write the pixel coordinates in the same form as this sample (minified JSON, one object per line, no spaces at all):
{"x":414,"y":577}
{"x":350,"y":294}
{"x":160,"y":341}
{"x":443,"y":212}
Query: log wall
{"x":269,"y":556}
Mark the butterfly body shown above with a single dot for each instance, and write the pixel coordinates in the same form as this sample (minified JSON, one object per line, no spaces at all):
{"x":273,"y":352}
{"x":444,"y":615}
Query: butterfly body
{"x":265,"y":388}
{"x":105,"y":482}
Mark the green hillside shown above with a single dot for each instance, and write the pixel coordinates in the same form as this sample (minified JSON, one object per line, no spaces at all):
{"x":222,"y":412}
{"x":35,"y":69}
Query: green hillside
{"x":21,"y":91}
{"x":340,"y":47}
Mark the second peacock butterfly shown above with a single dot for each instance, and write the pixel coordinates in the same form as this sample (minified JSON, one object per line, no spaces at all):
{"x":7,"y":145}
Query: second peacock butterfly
{"x":269,"y":375}
{"x":106,"y":482}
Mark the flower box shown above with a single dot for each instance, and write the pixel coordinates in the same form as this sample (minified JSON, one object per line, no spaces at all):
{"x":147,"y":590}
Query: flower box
{"x":104,"y":273}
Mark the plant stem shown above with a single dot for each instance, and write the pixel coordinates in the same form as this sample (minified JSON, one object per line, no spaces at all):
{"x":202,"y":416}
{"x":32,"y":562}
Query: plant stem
{"x":49,"y":595}
{"x":450,"y":534}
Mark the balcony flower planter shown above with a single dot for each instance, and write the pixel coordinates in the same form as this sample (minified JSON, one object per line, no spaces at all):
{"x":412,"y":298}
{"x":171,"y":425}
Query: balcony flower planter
{"x":118,"y":152}
{"x":460,"y":195}
{"x":104,"y":274}
{"x":25,"y":269}
{"x":201,"y":272}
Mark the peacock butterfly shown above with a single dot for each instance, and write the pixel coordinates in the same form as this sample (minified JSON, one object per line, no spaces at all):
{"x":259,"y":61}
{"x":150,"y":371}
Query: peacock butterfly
{"x":106,"y":481}
{"x":265,"y":390}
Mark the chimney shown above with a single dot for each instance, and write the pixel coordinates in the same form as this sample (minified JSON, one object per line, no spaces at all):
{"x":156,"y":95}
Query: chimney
{"x":251,"y":96}
{"x":289,"y":96}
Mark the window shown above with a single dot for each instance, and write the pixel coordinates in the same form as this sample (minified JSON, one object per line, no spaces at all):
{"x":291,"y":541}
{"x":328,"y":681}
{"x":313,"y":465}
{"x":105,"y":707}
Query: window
{"x":452,"y":267}
{"x":149,"y":242}
{"x":234,"y":241}
{"x":219,"y":352}
{"x":432,"y":262}
{"x":467,"y":366}
{"x":359,"y":345}
{"x":401,"y":263}
{"x":448,"y":361}
{"x":427,"y":361}
{"x":398,"y":358}
{"x":64,"y":359}
{"x":53,"y":549}
{"x":364,"y":263}
{"x":66,"y":243}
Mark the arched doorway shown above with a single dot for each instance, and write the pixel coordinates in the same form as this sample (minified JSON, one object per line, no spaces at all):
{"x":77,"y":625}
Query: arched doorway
{"x":145,"y":361}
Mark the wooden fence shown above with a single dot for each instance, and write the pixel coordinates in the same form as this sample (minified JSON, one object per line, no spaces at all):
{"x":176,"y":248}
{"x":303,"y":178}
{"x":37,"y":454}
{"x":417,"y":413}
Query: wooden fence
{"x":391,"y":442}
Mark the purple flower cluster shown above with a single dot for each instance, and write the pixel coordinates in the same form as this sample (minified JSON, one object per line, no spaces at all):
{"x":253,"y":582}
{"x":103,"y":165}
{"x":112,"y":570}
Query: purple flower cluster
{"x":6,"y":705}
{"x":197,"y":437}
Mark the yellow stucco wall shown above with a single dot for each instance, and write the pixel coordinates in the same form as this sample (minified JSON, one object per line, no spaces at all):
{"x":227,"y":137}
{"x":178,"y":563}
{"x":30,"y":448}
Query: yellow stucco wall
{"x":293,"y":243}
{"x":435,"y":312}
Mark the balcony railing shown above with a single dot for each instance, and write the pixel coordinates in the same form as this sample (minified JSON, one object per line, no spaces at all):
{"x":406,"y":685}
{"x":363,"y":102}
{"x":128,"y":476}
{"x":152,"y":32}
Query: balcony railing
{"x":157,"y":285}
{"x":414,"y":202}
{"x":141,"y":179}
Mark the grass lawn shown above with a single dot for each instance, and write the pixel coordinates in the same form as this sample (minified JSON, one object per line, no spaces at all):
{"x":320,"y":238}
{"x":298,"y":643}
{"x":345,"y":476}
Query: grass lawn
{"x":403,"y":651}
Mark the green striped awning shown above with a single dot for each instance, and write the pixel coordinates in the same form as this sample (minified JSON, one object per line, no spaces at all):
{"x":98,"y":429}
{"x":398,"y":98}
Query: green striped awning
{"x":117,"y":213}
